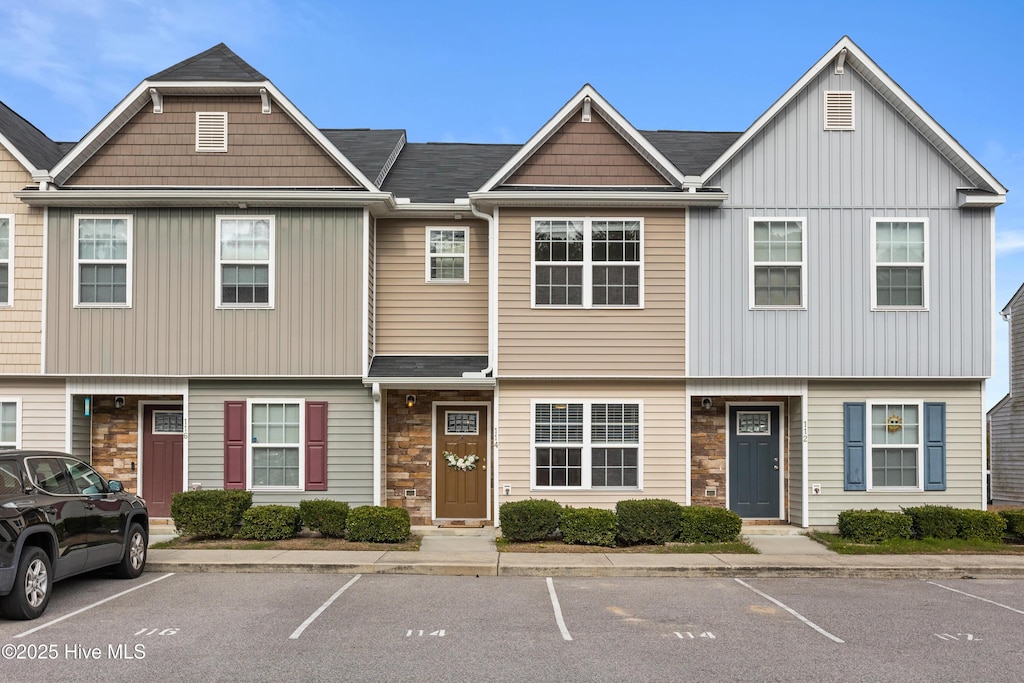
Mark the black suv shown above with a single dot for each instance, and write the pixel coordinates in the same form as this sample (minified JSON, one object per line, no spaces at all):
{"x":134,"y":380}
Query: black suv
{"x":58,"y":518}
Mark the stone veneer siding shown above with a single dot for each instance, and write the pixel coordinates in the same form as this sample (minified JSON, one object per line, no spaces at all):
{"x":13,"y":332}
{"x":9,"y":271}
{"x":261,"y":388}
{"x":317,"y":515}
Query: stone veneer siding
{"x":409,"y":455}
{"x":116,"y":438}
{"x":708,"y":445}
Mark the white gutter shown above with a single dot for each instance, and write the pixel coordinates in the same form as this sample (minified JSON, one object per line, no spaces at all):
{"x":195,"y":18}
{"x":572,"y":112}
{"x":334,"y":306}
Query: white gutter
{"x":492,"y":292}
{"x":618,"y":198}
{"x":252,"y":196}
{"x":376,"y":445}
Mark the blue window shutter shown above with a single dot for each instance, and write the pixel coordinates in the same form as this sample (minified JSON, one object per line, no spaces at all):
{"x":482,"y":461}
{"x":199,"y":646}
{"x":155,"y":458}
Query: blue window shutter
{"x":854,"y":453}
{"x":934,"y":446}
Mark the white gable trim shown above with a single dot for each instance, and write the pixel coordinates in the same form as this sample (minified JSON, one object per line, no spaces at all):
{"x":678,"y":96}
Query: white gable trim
{"x":889,"y":89}
{"x":616,"y":120}
{"x":140,"y":97}
{"x":16,"y":153}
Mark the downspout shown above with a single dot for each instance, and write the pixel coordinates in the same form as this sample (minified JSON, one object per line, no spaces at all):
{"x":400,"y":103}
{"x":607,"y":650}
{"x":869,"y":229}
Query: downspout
{"x":492,"y":349}
{"x":376,"y":445}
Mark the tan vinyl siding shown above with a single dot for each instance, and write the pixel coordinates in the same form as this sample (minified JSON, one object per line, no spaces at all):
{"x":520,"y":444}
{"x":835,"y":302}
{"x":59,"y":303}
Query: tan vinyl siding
{"x":556,"y":342}
{"x":173,"y":327}
{"x":264,"y":150}
{"x":21,"y":322}
{"x":794,"y":456}
{"x":663,"y":455}
{"x":349,"y":435}
{"x":416,"y":317}
{"x":586,"y":154}
{"x":964,"y":445}
{"x":43,"y":411}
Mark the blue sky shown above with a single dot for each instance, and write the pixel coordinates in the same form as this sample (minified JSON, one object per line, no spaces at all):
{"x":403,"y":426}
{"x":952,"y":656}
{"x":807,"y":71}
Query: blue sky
{"x":495,"y":72}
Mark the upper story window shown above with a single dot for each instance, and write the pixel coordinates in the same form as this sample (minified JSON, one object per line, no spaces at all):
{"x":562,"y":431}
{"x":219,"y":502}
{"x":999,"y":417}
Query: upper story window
{"x":447,"y":255}
{"x":6,"y":260}
{"x":245,"y":261}
{"x":103,"y":272}
{"x":588,"y":262}
{"x":778,"y":263}
{"x":211,"y":131}
{"x":9,"y":424}
{"x":900,"y":254}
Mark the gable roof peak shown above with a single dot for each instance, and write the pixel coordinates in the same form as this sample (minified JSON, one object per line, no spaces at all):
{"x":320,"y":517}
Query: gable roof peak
{"x":219,"y":63}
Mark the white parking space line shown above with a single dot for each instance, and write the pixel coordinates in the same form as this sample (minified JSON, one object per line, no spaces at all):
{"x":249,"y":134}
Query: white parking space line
{"x":792,"y":611}
{"x":89,"y":607}
{"x":314,"y":615}
{"x":558,"y":611}
{"x":978,"y":597}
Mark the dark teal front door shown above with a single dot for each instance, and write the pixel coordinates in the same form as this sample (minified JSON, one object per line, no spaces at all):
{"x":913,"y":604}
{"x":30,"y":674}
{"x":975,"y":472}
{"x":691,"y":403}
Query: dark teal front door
{"x":754,"y":461}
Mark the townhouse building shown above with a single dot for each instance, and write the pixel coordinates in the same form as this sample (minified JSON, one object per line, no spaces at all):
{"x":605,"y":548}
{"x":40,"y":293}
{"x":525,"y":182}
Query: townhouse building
{"x":788,"y":321}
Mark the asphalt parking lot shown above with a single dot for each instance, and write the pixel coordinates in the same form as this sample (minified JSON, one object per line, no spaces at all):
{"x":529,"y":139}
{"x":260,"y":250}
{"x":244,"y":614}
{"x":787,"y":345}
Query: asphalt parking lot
{"x":314,"y":627}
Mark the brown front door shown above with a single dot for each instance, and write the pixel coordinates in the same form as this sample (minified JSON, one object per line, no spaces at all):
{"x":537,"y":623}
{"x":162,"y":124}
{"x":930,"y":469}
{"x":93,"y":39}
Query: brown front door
{"x":462,"y":435}
{"x":162,"y":459}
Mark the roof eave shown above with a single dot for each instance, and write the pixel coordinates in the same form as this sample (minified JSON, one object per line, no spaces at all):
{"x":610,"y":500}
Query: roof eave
{"x":612,"y":198}
{"x":200,"y":197}
{"x":430,"y":382}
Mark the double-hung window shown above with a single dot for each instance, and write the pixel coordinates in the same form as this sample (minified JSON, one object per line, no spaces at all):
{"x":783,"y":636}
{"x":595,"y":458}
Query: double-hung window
{"x":895,"y":451}
{"x":778,"y":263}
{"x":6,"y":260}
{"x":245,"y":261}
{"x":894,"y":445}
{"x":900,"y":252}
{"x":447,"y":255}
{"x":103,"y":272}
{"x":588,"y":262}
{"x":276,"y":443}
{"x":586,"y":445}
{"x":9,"y":434}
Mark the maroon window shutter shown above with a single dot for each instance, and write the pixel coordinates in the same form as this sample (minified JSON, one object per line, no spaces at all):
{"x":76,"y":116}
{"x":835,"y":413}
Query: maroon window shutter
{"x":234,"y":444}
{"x":316,"y":445}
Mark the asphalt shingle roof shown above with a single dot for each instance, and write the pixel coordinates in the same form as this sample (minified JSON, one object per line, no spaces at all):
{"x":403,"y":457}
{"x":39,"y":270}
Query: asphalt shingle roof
{"x":368,"y":149}
{"x":690,"y":151}
{"x":442,"y":171}
{"x":425,"y":366}
{"x":218,"y":63}
{"x":40,"y":150}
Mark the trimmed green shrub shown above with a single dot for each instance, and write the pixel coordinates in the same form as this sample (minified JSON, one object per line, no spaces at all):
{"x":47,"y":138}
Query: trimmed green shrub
{"x":981,"y":525}
{"x":650,"y":520}
{"x":270,"y":523}
{"x":529,"y":520}
{"x":209,"y":513}
{"x":934,"y":521}
{"x":588,"y":526}
{"x":702,"y":524}
{"x":874,"y":526}
{"x":373,"y":524}
{"x":1014,"y":523}
{"x":325,"y":516}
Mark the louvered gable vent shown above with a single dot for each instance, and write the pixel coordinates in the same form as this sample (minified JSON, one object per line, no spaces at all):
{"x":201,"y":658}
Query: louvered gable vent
{"x":211,"y":131}
{"x":839,"y":110}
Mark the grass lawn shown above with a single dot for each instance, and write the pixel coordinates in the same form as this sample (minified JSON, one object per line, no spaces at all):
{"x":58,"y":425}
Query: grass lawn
{"x":928,"y":546}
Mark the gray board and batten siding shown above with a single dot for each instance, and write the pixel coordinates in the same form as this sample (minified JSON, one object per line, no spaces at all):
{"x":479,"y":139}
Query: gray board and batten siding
{"x":838,"y":181}
{"x":1007,"y":417}
{"x":349,"y":435}
{"x":173,"y":327}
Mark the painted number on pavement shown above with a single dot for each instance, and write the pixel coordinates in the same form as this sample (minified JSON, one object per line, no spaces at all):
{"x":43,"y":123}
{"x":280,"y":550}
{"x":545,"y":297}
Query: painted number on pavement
{"x":411,"y":633}
{"x":156,"y":632}
{"x":958,"y":636}
{"x":686,"y":635}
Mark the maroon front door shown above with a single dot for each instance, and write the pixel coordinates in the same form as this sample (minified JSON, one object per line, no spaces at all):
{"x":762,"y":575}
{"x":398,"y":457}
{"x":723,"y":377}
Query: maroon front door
{"x":162,"y":458}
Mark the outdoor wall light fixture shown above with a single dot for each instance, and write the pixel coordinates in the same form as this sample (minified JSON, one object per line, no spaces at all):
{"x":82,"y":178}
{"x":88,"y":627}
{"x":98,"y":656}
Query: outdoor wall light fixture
{"x":119,"y":402}
{"x":410,"y":400}
{"x":706,"y":403}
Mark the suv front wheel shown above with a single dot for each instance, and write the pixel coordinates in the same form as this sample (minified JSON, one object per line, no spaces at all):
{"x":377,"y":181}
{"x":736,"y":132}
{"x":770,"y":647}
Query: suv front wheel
{"x":31,"y":586}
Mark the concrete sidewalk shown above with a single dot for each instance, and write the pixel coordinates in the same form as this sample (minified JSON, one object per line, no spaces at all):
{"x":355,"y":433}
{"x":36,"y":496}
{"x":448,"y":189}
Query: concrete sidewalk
{"x":780,"y":556}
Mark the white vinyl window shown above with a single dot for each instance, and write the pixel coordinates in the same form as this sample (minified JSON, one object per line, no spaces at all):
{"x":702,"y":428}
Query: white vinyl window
{"x":447,"y":255}
{"x":778,"y":270}
{"x":899,"y":250}
{"x":103,"y":267}
{"x":276,"y":437}
{"x":245,"y":262}
{"x":10,"y":424}
{"x":211,"y":131}
{"x":895,"y":453}
{"x":6,"y":260}
{"x":588,"y":263}
{"x":587,"y":445}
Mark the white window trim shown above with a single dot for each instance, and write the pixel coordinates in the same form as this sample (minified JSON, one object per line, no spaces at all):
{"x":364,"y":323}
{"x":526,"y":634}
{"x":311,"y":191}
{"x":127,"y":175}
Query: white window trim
{"x":870,"y":446}
{"x":874,"y":263}
{"x":586,"y":462}
{"x":752,"y":263}
{"x":301,"y":403}
{"x":465,"y":256}
{"x":9,"y":260}
{"x":212,"y":118}
{"x":17,"y":420}
{"x":220,"y":263}
{"x":587,"y":263}
{"x":127,"y":261}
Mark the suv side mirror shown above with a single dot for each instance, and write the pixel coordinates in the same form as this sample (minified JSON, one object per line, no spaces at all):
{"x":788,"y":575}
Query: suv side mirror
{"x":115,"y":486}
